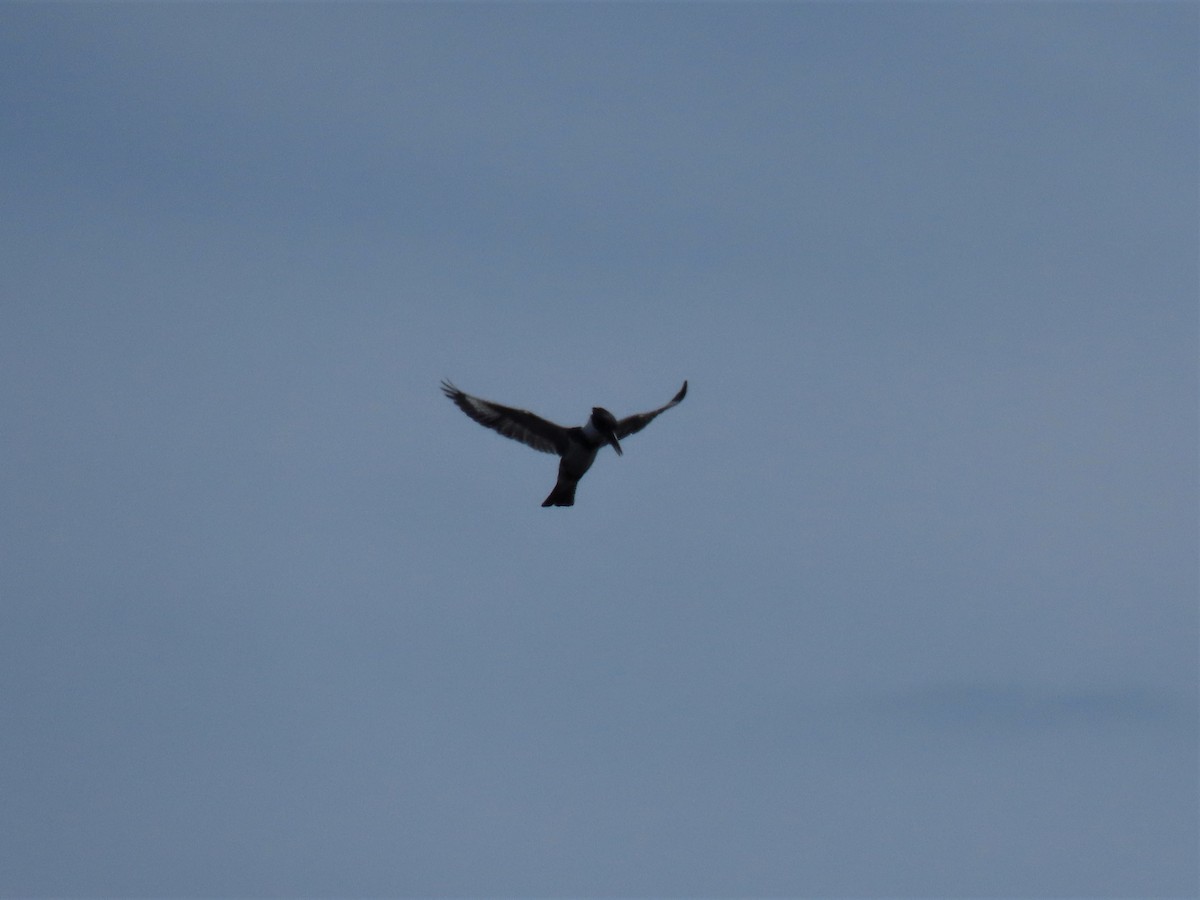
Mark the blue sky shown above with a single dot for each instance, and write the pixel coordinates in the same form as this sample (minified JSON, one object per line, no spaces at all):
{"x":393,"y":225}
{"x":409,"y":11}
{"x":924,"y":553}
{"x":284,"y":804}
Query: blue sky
{"x":902,"y":600}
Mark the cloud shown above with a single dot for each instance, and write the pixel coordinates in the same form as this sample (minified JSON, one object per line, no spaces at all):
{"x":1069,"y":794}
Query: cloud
{"x":977,"y":706}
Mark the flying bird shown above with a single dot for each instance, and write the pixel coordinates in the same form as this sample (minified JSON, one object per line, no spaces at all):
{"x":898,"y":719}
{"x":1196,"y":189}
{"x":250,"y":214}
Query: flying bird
{"x":577,"y":446}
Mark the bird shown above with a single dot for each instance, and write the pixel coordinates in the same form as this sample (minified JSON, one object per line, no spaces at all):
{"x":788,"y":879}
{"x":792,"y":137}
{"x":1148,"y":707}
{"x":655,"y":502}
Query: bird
{"x":577,"y":446}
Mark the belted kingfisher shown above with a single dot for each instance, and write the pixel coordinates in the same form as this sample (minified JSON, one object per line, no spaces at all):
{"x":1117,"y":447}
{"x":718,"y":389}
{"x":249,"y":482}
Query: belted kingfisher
{"x":577,"y":446}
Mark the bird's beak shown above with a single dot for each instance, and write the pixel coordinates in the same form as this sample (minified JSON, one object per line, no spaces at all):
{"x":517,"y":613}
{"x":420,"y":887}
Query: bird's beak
{"x":612,"y":439}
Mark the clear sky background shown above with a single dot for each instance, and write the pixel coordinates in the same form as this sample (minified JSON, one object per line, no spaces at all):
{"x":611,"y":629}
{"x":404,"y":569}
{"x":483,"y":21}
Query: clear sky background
{"x":902,"y":600}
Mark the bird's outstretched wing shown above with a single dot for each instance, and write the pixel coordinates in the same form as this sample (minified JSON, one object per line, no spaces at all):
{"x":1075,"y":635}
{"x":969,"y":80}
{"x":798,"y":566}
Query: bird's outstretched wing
{"x":518,"y":424}
{"x":635,"y":423}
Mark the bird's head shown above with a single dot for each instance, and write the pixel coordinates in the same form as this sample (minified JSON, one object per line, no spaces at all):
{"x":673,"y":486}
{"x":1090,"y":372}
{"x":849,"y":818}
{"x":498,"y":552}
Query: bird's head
{"x":606,"y":423}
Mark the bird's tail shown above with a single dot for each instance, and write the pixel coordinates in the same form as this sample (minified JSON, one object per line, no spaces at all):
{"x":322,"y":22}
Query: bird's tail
{"x":563,"y":494}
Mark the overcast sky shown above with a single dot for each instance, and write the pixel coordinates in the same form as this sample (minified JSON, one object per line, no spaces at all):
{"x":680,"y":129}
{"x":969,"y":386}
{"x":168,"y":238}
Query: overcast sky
{"x":902,"y":600}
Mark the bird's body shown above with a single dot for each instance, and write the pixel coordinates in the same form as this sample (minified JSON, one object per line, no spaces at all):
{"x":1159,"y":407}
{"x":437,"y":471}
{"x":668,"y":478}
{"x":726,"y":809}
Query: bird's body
{"x":577,"y":447}
{"x":574,"y":465}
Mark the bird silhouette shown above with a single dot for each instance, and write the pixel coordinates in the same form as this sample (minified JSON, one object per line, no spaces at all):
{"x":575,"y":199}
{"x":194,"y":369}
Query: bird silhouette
{"x":577,"y":446}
